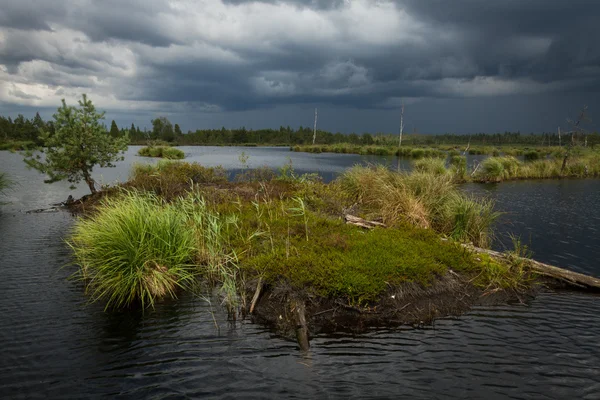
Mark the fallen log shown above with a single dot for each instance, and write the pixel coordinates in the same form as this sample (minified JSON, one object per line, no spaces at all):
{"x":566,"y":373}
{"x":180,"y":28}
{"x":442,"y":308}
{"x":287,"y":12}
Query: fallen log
{"x":363,"y":223}
{"x":564,"y":275}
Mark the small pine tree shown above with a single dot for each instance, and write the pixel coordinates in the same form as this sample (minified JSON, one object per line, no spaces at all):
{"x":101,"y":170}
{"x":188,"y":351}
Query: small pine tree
{"x":114,"y":129}
{"x":79,"y":142}
{"x":177,"y":130}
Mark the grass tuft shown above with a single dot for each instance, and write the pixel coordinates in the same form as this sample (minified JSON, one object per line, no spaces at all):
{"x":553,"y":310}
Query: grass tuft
{"x":135,"y":249}
{"x":432,"y":165}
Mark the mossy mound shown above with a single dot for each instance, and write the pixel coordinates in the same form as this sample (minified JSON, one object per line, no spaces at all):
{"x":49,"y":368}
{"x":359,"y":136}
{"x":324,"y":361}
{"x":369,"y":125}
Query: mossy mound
{"x":347,"y":262}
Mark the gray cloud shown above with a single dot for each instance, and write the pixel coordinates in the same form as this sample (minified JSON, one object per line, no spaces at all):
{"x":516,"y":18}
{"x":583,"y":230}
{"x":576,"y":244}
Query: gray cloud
{"x":235,"y":55}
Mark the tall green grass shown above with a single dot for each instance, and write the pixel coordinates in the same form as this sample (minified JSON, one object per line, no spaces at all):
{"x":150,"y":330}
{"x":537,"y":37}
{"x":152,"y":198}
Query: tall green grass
{"x":134,"y":249}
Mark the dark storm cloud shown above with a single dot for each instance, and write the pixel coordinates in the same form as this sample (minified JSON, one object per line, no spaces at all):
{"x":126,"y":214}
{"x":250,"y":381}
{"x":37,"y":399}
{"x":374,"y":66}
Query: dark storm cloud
{"x":236,"y":55}
{"x":314,"y":4}
{"x":502,"y":35}
{"x":30,"y":14}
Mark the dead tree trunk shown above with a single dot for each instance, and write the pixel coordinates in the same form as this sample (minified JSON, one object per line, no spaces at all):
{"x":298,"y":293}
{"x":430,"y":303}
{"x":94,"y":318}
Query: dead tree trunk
{"x":315,"y":128}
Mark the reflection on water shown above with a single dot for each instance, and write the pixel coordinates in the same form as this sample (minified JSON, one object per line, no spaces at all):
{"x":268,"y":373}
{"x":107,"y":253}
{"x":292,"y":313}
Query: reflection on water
{"x":54,"y":345}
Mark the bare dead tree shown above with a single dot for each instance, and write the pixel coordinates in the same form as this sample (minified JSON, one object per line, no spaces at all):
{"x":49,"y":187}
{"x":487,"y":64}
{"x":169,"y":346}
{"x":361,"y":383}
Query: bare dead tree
{"x":576,"y":129}
{"x":315,"y":128}
{"x":401,"y":123}
{"x":468,"y":145}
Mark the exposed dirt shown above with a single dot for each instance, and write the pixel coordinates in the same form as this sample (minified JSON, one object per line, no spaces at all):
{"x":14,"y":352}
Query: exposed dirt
{"x":409,"y":304}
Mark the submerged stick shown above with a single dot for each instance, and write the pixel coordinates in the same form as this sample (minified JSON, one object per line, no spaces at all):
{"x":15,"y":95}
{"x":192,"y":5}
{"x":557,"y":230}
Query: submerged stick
{"x":259,"y":286}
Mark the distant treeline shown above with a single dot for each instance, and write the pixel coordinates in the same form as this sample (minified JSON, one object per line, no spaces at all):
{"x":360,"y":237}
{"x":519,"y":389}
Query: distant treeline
{"x":22,"y":129}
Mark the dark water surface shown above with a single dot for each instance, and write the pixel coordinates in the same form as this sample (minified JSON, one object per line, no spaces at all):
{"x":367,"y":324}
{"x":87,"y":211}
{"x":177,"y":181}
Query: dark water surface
{"x":54,"y":345}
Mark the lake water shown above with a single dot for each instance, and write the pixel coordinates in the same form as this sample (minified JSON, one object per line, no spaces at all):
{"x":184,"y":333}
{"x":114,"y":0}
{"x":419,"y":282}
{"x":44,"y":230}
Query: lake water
{"x":55,"y":345}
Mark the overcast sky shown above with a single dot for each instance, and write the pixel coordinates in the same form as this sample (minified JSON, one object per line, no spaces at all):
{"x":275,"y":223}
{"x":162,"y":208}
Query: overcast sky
{"x":459,"y":66}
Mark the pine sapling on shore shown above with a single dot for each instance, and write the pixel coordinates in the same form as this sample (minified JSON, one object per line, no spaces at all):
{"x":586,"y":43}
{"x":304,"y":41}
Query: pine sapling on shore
{"x":79,"y":142}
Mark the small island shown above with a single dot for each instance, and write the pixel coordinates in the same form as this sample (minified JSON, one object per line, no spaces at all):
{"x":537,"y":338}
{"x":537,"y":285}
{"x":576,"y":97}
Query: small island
{"x":372,"y":247}
{"x":161,"y":151}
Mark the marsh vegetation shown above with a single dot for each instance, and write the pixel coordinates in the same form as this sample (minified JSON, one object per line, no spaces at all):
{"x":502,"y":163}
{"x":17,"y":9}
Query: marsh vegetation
{"x":174,"y":225}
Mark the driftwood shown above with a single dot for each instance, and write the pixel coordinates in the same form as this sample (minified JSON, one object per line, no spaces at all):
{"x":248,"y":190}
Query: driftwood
{"x":299,"y":311}
{"x":259,"y":286}
{"x":363,"y":223}
{"x":569,"y":277}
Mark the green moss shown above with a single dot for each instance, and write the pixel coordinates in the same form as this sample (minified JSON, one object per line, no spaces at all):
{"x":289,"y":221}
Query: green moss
{"x":345,"y":261}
